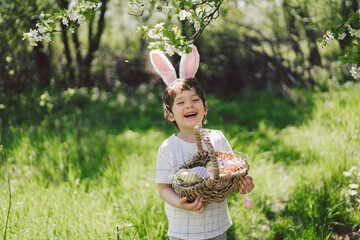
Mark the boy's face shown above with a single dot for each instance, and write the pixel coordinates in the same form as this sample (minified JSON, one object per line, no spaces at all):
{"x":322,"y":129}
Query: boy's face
{"x":188,"y":110}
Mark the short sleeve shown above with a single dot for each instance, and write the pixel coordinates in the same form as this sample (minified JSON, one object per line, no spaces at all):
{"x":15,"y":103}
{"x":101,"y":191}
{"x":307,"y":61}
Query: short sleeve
{"x":163,"y":165}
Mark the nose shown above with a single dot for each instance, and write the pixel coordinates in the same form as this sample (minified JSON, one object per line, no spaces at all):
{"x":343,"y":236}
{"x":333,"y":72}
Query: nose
{"x":189,"y":105}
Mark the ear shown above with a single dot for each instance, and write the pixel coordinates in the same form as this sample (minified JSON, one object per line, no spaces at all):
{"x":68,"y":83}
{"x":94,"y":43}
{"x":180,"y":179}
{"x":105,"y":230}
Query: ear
{"x":163,"y":66}
{"x":189,"y":63}
{"x":170,"y":117}
{"x":205,"y":109}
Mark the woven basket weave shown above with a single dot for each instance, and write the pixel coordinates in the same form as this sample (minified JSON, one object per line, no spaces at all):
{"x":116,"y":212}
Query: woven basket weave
{"x":220,"y":186}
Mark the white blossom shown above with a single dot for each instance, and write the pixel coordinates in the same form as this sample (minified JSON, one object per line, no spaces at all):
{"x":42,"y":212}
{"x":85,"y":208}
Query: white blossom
{"x":198,"y":11}
{"x":184,"y":14}
{"x":33,"y":37}
{"x":353,"y":185}
{"x":354,"y":32}
{"x":47,"y":37}
{"x":81,"y":19}
{"x":355,"y":73}
{"x":159,"y":25}
{"x":73,"y":15}
{"x":41,"y":28}
{"x":169,"y":49}
{"x":353,"y":168}
{"x":342,"y":36}
{"x":197,"y":25}
{"x":352,"y":192}
{"x":329,"y":37}
{"x":155,"y":34}
{"x":88,"y":4}
{"x":347,"y":174}
{"x":157,"y":31}
{"x":164,"y":8}
{"x":65,"y":21}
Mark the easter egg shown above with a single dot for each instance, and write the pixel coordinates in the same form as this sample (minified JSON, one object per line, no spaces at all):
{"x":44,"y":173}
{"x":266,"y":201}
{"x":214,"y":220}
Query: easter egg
{"x":180,"y":171}
{"x":211,"y":170}
{"x":188,"y":177}
{"x":229,"y":165}
{"x":201,"y":172}
{"x":248,"y":203}
{"x":209,"y":164}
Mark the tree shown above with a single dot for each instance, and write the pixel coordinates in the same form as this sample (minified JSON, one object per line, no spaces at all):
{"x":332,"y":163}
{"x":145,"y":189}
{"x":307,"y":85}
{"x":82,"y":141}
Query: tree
{"x":198,"y":13}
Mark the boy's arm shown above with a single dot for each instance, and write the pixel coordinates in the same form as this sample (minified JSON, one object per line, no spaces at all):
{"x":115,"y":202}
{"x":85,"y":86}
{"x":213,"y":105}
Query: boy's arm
{"x":168,"y":194}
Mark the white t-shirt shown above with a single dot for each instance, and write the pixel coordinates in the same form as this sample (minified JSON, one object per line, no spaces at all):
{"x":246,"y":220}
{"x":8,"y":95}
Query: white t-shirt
{"x":183,"y":224}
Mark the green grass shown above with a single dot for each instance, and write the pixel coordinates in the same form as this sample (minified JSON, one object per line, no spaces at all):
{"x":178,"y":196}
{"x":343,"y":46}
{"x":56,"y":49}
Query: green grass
{"x":88,"y":172}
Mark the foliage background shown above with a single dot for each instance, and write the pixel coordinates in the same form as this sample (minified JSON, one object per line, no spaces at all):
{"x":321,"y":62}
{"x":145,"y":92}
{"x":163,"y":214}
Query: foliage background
{"x":81,"y":121}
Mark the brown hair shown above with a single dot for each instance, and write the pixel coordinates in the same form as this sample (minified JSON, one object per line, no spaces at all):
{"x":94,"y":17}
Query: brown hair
{"x":176,"y":87}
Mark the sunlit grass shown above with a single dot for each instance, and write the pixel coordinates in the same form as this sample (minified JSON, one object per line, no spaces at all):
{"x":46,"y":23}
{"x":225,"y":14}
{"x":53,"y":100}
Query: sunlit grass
{"x":96,"y":181}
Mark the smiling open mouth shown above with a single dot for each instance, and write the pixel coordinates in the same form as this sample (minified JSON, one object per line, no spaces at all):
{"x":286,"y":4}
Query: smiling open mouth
{"x":190,"y":115}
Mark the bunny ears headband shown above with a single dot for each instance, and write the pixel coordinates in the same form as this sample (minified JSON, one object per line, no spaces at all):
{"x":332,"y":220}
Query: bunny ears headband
{"x":189,"y":65}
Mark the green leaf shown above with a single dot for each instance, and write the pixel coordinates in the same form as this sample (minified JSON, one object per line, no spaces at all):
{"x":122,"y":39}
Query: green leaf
{"x":188,"y":49}
{"x":88,"y":13}
{"x":167,"y":33}
{"x":343,"y":59}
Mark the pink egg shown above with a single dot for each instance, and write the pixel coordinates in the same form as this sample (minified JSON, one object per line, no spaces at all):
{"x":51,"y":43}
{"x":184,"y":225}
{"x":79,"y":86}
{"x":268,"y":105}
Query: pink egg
{"x":248,"y":203}
{"x":229,"y":165}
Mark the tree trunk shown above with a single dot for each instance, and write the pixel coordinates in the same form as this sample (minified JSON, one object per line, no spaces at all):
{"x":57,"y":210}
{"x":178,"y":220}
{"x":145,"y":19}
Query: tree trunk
{"x":345,"y":11}
{"x":314,"y":57}
{"x":43,"y":62}
{"x":94,"y":43}
{"x":69,"y":78}
{"x":293,"y":32}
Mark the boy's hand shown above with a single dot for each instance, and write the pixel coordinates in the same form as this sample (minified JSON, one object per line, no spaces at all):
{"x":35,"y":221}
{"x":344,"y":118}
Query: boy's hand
{"x":246,"y":185}
{"x":197,"y":205}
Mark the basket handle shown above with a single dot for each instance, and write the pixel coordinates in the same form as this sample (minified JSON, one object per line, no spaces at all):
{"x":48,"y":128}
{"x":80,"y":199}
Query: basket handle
{"x":201,"y":135}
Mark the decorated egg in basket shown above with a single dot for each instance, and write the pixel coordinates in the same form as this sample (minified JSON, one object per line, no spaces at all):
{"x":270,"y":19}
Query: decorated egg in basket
{"x":188,"y":177}
{"x":201,"y":172}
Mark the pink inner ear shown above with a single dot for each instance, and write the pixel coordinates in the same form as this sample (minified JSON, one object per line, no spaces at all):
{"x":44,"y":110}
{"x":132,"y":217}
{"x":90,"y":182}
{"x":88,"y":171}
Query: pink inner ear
{"x":190,"y":66}
{"x":166,"y":72}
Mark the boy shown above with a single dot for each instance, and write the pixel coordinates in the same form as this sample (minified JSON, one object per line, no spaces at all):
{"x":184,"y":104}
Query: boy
{"x":185,"y":106}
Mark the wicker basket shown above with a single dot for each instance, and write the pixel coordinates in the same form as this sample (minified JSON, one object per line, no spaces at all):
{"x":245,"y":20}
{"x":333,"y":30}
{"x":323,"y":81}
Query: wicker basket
{"x":220,"y":186}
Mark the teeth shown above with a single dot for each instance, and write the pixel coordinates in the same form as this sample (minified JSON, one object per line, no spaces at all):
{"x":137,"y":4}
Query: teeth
{"x":190,"y":114}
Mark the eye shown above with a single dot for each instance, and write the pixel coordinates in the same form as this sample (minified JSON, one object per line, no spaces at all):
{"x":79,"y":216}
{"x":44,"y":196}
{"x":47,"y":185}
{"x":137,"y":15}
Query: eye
{"x":179,"y":103}
{"x":196,"y":99}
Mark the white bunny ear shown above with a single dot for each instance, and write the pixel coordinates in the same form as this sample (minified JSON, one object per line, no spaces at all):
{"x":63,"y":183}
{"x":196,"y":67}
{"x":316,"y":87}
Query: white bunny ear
{"x":189,"y":63}
{"x":163,"y":66}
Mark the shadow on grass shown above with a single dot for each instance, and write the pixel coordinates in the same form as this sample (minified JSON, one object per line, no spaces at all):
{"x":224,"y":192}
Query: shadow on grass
{"x":246,"y":111}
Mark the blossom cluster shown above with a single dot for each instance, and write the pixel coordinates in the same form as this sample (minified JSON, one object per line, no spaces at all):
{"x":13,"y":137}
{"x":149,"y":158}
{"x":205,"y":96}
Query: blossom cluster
{"x":351,"y":27}
{"x":353,"y":32}
{"x":163,"y":38}
{"x":197,"y":13}
{"x":351,"y":191}
{"x":41,"y":32}
{"x":72,"y":17}
{"x":355,"y":72}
